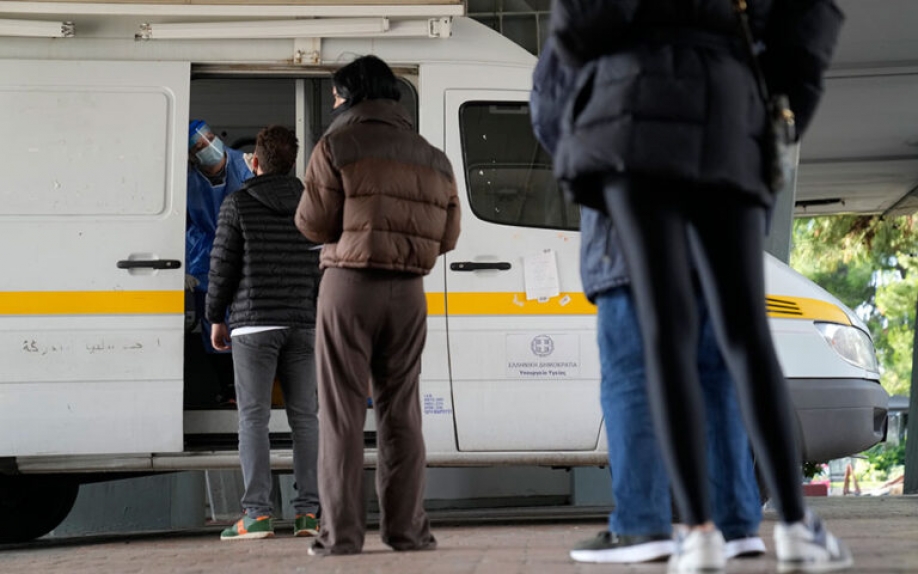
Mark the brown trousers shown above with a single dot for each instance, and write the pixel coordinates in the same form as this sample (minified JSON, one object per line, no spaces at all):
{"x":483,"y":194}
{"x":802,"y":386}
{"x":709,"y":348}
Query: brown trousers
{"x":371,"y":326}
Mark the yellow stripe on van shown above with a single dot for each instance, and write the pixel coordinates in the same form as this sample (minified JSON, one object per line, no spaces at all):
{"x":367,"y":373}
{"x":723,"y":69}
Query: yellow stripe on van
{"x":803,"y":308}
{"x":516,"y":304}
{"x":777,"y":306}
{"x":468,"y":304}
{"x":92,"y":302}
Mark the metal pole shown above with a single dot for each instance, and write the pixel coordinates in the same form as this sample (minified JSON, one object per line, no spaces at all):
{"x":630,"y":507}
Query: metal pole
{"x":911,"y":442}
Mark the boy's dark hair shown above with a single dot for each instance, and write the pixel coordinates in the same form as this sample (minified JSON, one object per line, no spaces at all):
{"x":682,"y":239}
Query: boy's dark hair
{"x":275,"y":148}
{"x":366,"y":78}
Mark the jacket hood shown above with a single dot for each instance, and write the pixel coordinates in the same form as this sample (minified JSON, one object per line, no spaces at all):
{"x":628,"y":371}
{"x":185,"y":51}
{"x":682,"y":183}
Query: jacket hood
{"x":280,"y":193}
{"x":386,"y":111}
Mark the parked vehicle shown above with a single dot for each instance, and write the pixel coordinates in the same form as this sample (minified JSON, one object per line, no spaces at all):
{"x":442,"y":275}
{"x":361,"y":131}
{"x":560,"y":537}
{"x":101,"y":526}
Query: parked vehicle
{"x":99,"y":375}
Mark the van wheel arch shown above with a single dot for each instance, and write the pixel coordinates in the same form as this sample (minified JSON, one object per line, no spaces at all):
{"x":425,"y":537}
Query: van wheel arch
{"x":33,"y":506}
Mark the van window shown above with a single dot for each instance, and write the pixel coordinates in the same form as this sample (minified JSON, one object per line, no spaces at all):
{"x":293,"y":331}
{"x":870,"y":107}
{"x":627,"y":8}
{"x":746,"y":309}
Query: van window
{"x":508,"y":174}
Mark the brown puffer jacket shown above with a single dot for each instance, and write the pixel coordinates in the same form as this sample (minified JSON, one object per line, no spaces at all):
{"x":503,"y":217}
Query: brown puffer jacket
{"x":377,"y":195}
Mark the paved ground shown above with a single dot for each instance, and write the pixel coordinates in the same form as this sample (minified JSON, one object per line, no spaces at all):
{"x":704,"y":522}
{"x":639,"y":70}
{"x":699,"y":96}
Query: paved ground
{"x":882,"y":532}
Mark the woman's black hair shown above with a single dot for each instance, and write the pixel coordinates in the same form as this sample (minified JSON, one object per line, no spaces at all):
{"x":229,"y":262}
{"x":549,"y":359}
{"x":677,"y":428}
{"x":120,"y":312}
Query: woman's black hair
{"x":366,"y":78}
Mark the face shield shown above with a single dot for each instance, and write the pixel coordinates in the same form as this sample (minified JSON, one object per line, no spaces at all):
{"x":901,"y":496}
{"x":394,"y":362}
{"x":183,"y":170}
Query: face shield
{"x":207,"y":148}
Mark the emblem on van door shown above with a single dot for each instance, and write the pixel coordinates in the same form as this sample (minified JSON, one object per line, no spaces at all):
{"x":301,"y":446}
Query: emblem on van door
{"x":542,"y":345}
{"x":535,"y":355}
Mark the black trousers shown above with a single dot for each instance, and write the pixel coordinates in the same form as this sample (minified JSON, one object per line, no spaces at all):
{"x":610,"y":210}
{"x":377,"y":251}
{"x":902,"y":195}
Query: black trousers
{"x":667,"y":229}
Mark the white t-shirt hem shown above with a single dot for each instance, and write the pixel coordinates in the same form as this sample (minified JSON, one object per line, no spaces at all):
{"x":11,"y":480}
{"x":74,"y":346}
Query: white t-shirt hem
{"x":251,"y":330}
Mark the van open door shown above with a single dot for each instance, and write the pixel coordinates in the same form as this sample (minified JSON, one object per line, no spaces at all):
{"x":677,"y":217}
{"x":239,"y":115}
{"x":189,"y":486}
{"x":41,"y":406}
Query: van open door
{"x":92,"y":217}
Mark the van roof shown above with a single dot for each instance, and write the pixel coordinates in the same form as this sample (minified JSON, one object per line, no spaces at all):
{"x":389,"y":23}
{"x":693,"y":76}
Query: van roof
{"x":107,"y":32}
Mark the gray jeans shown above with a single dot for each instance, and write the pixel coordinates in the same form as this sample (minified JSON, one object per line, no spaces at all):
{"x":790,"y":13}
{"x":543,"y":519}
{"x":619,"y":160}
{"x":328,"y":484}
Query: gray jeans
{"x":257,"y":357}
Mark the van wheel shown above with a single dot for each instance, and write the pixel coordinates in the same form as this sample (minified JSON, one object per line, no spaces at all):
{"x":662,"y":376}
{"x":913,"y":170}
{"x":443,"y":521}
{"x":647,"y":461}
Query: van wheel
{"x":32,"y":506}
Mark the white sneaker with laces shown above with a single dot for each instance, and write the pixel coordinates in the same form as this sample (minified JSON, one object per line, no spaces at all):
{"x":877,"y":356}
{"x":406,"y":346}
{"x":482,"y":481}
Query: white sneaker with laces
{"x":807,"y":547}
{"x":698,"y":551}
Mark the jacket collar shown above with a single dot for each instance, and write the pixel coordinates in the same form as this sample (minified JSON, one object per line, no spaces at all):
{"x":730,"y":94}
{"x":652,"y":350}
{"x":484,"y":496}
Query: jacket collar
{"x":385,"y":111}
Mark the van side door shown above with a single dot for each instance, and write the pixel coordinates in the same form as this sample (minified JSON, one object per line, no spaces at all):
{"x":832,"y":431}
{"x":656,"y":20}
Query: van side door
{"x":92,"y":218}
{"x":523,"y":356}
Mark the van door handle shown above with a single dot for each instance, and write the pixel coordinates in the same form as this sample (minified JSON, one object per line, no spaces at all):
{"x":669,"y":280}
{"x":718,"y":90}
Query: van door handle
{"x":476,"y":266}
{"x":150,"y":264}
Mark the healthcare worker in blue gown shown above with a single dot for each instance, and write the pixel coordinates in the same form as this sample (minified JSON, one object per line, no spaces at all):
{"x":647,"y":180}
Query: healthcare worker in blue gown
{"x":214,"y":171}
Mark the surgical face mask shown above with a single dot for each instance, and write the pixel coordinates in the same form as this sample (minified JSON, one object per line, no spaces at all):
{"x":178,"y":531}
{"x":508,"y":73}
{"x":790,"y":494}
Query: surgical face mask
{"x":211,"y":154}
{"x":340,"y":110}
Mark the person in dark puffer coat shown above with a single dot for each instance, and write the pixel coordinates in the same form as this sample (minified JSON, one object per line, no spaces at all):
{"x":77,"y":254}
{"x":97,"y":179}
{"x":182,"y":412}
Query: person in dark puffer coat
{"x":267,"y":274}
{"x":664,"y":131}
{"x":640,"y":526}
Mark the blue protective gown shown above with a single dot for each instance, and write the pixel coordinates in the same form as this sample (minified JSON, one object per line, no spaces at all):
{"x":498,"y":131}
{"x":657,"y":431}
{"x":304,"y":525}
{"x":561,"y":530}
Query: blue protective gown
{"x":204,"y":200}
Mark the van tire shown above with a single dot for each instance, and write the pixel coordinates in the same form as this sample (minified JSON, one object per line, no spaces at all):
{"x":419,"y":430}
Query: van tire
{"x":33,"y":506}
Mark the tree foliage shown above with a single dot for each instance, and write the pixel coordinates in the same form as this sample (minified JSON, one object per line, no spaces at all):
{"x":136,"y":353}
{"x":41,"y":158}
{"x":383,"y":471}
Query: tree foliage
{"x":871,"y":264}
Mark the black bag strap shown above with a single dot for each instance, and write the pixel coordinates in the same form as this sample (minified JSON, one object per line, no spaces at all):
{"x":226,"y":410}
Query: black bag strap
{"x":778,"y":105}
{"x":745,"y":31}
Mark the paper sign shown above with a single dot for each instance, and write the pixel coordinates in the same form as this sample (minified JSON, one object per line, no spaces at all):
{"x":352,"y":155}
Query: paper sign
{"x":540,"y":274}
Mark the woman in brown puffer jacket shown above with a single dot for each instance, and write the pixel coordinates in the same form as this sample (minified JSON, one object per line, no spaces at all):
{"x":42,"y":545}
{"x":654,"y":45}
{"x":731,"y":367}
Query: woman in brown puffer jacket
{"x":383,"y":202}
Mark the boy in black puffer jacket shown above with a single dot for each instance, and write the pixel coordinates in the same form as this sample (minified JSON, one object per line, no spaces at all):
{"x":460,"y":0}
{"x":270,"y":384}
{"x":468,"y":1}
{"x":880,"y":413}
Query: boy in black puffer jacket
{"x":267,"y":274}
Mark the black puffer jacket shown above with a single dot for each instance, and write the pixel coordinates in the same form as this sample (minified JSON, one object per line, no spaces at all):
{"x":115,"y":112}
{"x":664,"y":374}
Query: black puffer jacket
{"x":665,"y":88}
{"x":261,"y":265}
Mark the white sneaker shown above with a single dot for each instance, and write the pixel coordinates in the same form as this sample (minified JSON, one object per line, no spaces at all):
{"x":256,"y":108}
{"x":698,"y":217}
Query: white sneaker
{"x":746,"y":547}
{"x":698,"y":551}
{"x":807,"y":546}
{"x":609,"y":547}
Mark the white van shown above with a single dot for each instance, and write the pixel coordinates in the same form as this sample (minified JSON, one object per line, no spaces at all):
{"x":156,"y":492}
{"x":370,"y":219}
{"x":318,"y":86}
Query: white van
{"x":97,"y":372}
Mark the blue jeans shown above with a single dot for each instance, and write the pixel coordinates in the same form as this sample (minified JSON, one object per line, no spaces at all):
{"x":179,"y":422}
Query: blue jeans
{"x":640,"y":484}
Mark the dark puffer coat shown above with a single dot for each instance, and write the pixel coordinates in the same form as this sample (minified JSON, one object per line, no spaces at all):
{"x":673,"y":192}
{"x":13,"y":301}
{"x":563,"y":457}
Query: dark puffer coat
{"x":602,"y":263}
{"x":261,"y":266}
{"x":665,"y":88}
